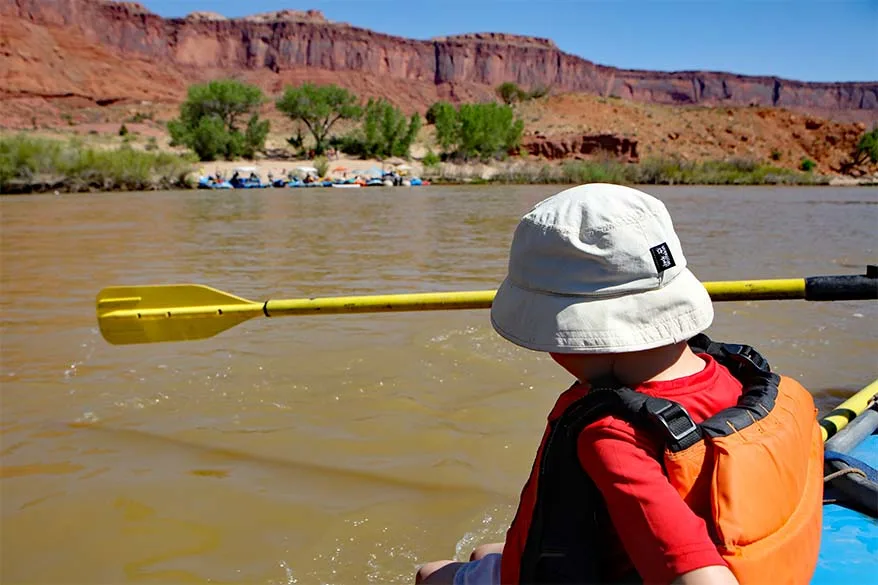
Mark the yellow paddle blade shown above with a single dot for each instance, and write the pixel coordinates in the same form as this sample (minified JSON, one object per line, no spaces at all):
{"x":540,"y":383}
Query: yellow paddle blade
{"x":176,"y":312}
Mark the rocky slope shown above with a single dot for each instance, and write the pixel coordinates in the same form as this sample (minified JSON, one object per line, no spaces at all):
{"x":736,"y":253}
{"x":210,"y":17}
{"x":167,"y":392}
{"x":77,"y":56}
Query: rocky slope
{"x":107,"y":52}
{"x":576,"y":126}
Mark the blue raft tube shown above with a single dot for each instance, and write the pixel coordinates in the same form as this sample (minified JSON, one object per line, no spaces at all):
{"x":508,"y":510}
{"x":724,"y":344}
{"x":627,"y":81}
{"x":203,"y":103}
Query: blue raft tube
{"x":209,"y":182}
{"x":849,"y":543}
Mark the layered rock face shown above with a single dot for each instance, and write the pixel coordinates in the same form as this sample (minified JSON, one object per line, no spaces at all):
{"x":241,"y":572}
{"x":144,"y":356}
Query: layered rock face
{"x":292,"y":46}
{"x":581,"y":146}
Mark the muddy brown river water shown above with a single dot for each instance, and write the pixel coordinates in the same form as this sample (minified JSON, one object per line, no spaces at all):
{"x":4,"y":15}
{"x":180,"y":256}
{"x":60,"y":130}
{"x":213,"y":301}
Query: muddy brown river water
{"x":331,"y":449}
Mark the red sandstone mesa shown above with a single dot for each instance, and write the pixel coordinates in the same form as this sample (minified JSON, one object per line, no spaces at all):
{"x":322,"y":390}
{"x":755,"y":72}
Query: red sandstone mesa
{"x":112,"y":51}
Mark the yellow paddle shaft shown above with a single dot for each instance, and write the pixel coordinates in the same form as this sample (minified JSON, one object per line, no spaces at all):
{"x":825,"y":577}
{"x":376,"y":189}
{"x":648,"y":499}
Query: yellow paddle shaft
{"x":382,"y":303}
{"x":848,"y":410}
{"x":787,"y":288}
{"x":754,"y":290}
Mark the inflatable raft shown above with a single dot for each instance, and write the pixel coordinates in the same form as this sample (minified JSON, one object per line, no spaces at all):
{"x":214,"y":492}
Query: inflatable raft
{"x":211,"y":183}
{"x":849,"y":546}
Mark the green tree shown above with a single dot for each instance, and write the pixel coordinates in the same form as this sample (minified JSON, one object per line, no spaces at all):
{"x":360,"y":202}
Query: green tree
{"x":319,"y":107}
{"x":430,"y":116}
{"x":209,"y":139}
{"x":447,"y":126}
{"x":487,"y":130}
{"x":211,"y":117}
{"x":255,"y":135}
{"x":384,"y":128}
{"x":477,"y":130}
{"x":385,"y":132}
{"x":412,"y":132}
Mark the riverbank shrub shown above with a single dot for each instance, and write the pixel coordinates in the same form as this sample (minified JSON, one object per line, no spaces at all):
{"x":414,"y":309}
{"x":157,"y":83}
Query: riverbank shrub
{"x":37,"y":164}
{"x":321,"y":164}
{"x":385,"y":132}
{"x":511,"y":93}
{"x":654,"y":171}
{"x":431,"y":159}
{"x":476,"y":131}
{"x":211,"y":118}
{"x":866,"y":150}
{"x":867,"y":147}
{"x":863,"y":154}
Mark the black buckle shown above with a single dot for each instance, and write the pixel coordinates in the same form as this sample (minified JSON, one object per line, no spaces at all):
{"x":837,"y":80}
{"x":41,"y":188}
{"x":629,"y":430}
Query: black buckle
{"x":659,"y":415}
{"x":746,"y":355}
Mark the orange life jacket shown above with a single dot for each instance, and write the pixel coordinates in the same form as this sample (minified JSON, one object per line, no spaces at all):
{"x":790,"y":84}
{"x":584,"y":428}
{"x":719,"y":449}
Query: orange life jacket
{"x":755,"y":468}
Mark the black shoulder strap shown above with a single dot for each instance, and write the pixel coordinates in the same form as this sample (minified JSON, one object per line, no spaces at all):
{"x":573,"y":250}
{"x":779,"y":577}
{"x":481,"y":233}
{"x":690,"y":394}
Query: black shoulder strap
{"x":668,"y":418}
{"x":565,"y":541}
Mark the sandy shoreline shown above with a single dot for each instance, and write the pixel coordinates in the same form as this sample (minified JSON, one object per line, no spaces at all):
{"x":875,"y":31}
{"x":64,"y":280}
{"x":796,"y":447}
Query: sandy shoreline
{"x":446,"y":172}
{"x":338,"y":168}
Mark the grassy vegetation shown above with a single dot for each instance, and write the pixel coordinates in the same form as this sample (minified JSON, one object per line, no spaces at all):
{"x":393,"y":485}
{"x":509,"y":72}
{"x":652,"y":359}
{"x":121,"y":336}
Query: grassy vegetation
{"x":649,"y":172}
{"x":29,"y":165}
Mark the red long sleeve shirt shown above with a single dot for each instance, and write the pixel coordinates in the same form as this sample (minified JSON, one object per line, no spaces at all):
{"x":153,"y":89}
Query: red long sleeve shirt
{"x":653,"y":528}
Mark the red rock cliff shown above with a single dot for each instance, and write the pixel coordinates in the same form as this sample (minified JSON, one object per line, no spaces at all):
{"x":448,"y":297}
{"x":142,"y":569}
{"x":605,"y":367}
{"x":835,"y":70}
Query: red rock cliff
{"x":292,"y":46}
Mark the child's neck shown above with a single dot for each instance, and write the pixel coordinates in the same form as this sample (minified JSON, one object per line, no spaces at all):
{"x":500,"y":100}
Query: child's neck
{"x":656,"y":365}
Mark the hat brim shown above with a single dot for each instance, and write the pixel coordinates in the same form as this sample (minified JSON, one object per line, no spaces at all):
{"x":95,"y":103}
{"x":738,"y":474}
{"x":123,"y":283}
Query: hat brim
{"x":539,"y":321}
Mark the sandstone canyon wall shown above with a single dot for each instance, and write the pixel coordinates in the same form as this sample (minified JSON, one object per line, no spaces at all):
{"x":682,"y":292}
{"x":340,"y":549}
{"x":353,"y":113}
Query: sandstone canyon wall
{"x":136,"y":54}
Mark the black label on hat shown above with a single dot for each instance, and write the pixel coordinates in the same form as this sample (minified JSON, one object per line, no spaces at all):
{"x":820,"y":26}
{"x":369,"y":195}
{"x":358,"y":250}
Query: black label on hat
{"x":661,"y":255}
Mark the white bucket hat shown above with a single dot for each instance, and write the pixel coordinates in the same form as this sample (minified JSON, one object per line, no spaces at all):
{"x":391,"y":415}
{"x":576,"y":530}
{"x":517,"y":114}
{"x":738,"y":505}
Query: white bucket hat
{"x":599,"y":269}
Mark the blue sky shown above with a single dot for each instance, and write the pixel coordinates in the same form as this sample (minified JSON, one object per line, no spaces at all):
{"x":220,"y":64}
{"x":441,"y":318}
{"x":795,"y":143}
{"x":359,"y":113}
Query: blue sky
{"x":829,"y":40}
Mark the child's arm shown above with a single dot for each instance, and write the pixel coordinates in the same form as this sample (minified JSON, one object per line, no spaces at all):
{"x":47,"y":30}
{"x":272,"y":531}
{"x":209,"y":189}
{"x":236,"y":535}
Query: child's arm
{"x":663,"y":537}
{"x":715,"y":575}
{"x":484,"y":550}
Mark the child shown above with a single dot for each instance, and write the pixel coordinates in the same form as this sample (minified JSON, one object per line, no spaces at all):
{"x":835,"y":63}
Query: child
{"x":672,"y":458}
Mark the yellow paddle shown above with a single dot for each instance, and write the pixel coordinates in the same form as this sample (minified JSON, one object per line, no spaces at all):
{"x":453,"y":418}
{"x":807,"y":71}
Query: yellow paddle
{"x":848,"y":410}
{"x":177,"y":312}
